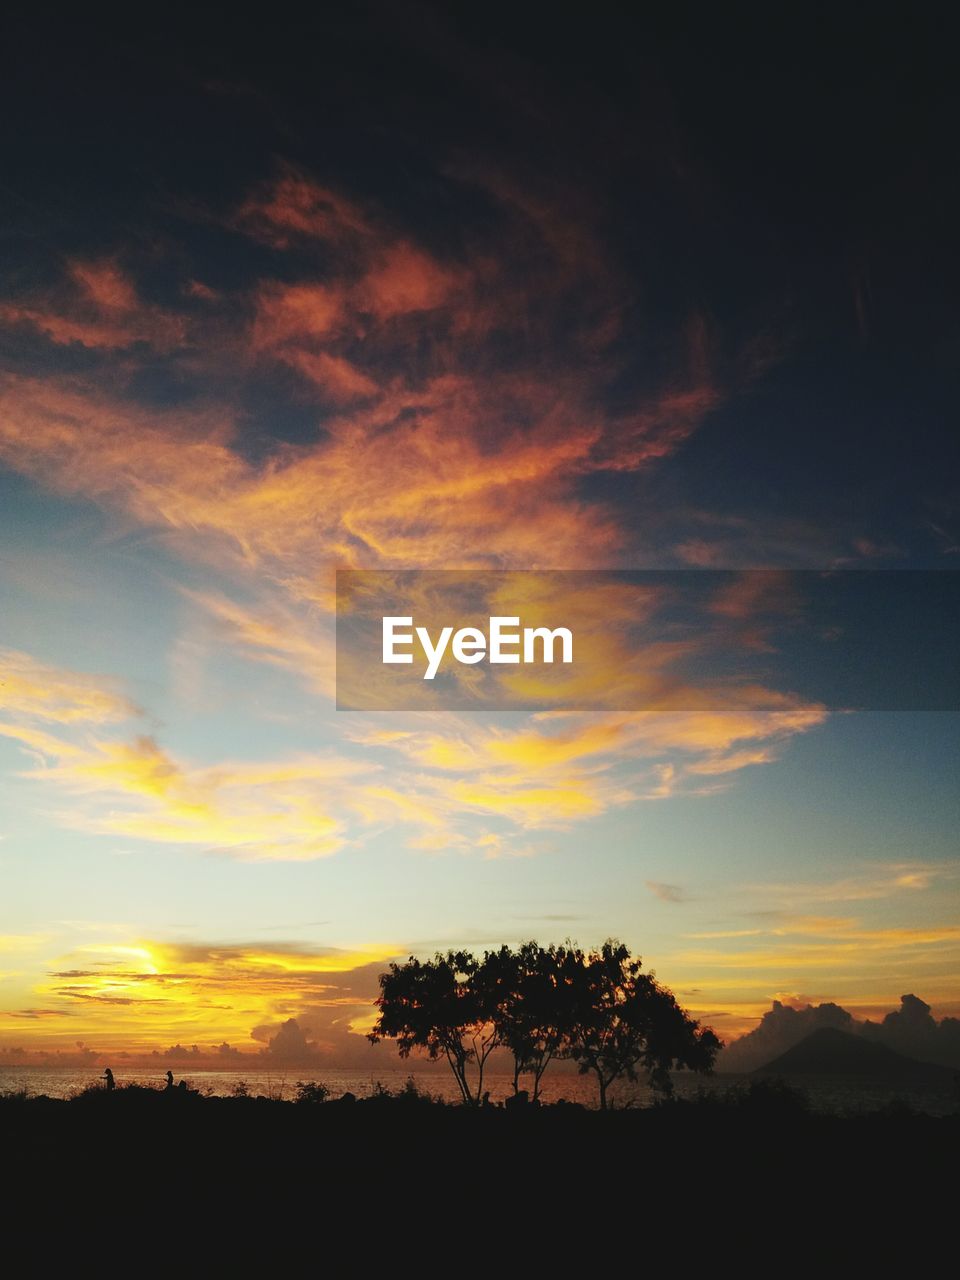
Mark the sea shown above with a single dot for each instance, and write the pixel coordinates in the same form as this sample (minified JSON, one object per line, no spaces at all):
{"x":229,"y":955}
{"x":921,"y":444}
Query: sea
{"x":847,"y":1095}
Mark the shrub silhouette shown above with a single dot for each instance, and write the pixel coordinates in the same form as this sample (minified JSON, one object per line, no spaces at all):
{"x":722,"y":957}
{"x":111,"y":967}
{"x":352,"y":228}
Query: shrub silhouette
{"x":311,"y":1091}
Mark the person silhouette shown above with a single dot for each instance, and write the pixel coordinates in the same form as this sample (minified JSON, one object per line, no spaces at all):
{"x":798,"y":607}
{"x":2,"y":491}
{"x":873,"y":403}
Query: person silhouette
{"x":108,"y":1076}
{"x":169,"y":1079}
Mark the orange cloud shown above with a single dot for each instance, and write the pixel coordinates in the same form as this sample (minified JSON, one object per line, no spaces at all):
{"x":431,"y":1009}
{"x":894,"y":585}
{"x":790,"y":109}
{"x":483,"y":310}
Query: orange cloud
{"x":105,"y":285}
{"x":416,"y":491}
{"x":294,"y":207}
{"x":340,"y":381}
{"x":98,"y":307}
{"x":406,"y":280}
{"x":299,"y":313}
{"x":425,"y":437}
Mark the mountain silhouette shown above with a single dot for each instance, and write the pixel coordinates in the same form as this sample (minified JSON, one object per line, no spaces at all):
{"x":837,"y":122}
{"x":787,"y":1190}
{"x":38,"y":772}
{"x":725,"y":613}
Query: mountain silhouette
{"x":829,"y":1051}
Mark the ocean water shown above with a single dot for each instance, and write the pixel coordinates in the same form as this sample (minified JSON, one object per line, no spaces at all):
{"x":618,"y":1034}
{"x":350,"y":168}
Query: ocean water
{"x":841,"y":1094}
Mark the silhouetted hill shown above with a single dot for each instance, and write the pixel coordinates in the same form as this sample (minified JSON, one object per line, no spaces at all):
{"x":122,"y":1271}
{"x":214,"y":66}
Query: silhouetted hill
{"x":831,"y":1052}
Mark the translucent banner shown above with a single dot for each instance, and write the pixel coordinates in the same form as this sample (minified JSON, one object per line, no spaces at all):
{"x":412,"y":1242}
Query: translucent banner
{"x":646,"y":640}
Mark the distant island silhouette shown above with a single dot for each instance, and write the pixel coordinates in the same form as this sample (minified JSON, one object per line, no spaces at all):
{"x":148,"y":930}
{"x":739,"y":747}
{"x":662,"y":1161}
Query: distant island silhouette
{"x":832,"y":1052}
{"x":910,"y":1031}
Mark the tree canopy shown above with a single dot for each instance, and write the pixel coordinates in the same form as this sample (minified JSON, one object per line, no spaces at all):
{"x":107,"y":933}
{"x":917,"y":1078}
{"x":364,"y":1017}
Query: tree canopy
{"x":442,"y":1006}
{"x":539,"y":1004}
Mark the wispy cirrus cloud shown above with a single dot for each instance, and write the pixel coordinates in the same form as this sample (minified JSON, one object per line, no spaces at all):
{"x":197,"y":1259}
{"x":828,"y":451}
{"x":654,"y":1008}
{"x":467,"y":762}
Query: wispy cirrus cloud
{"x":426,"y":433}
{"x":847,"y":947}
{"x":128,"y":784}
{"x":875,"y":881}
{"x":561,"y":739}
{"x":409,"y":481}
{"x":274,"y":633}
{"x":460,"y":399}
{"x":43,"y":691}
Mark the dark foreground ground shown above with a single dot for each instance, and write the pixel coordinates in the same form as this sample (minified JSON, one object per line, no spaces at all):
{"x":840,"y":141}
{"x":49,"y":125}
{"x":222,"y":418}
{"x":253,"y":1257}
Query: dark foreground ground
{"x":135,"y":1181}
{"x":764,"y":1136}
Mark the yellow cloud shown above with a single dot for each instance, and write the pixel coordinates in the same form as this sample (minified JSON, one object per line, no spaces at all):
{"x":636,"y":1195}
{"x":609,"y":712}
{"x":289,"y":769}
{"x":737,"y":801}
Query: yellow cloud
{"x":255,"y":810}
{"x":146,"y":994}
{"x":877,"y":881}
{"x":29,"y":687}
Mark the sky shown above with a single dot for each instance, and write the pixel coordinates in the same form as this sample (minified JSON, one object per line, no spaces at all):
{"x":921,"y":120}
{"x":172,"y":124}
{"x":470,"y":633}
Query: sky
{"x":505,"y":290}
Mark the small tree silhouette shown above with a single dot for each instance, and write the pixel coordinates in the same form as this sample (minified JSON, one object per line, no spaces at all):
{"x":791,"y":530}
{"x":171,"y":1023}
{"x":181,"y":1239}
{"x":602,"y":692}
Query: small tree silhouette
{"x":534,"y":1009}
{"x":625,"y":1021}
{"x":445,"y":1006}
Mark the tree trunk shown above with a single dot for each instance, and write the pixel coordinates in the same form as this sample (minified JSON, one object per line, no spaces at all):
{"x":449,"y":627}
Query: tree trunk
{"x":603,"y":1091}
{"x":459,"y":1068}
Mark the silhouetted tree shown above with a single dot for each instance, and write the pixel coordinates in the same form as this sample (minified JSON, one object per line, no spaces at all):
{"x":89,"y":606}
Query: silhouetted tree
{"x":534,"y":1009}
{"x":540,"y":1003}
{"x":624,"y":1020}
{"x":445,"y":1006}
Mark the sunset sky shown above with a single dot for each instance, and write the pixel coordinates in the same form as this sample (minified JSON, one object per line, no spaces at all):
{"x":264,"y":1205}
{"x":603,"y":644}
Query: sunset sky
{"x":398,"y":291}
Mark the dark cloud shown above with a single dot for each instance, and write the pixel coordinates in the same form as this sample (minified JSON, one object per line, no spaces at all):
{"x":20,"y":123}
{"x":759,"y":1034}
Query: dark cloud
{"x":72,"y":993}
{"x":291,"y":1045}
{"x":80,"y":1056}
{"x":39,"y":1013}
{"x":180,"y":1053}
{"x":780,"y":1028}
{"x":912,"y":1030}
